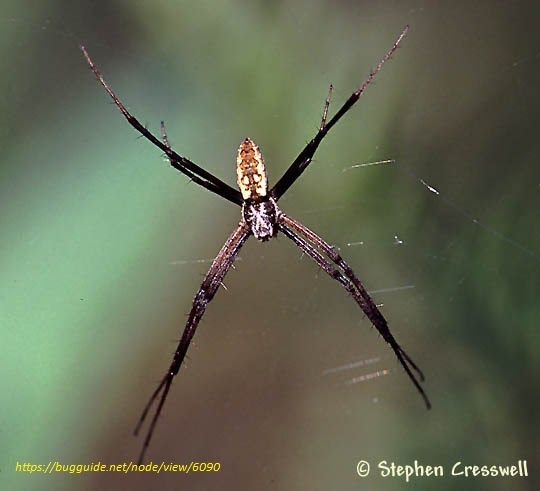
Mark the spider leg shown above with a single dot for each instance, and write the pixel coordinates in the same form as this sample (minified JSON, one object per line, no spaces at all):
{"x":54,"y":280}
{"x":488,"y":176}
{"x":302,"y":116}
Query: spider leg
{"x":164,"y":136}
{"x":196,"y":179}
{"x":193,"y":177}
{"x":310,"y":243}
{"x":306,"y":155}
{"x":326,"y":106}
{"x":184,"y":165}
{"x":221,"y":264}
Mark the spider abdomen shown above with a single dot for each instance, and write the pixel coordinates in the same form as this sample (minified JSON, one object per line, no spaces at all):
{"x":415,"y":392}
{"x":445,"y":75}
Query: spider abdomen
{"x":251,"y":171}
{"x":261,"y":216}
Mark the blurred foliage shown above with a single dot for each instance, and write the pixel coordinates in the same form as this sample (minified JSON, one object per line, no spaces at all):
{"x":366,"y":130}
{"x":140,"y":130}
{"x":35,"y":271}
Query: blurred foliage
{"x":102,"y":241}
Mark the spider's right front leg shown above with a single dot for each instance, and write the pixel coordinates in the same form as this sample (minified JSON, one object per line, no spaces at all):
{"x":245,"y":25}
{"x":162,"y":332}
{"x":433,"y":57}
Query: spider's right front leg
{"x":213,"y":279}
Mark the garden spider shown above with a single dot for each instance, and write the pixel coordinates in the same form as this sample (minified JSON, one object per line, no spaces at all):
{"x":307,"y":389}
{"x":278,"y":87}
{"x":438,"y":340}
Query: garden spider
{"x":262,"y":218}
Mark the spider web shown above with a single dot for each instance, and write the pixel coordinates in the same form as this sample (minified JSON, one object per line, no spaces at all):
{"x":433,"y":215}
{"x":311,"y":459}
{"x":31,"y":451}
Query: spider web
{"x":445,"y":237}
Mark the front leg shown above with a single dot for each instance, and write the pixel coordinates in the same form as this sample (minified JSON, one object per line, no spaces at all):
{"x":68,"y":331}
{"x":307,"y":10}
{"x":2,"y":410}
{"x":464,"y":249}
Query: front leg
{"x":213,"y":279}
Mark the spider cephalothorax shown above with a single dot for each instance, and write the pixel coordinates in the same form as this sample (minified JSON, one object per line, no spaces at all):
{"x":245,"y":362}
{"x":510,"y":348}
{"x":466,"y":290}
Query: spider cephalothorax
{"x":262,"y":218}
{"x":261,"y":215}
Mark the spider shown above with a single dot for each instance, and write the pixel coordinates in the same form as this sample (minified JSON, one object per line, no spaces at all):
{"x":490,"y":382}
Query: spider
{"x":262,"y":218}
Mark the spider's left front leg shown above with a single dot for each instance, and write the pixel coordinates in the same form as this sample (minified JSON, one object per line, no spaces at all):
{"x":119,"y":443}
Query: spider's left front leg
{"x":310,"y":243}
{"x":213,"y":279}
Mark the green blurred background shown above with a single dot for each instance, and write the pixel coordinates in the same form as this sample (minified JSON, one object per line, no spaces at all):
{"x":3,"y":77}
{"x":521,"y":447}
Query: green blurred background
{"x":102,"y":242}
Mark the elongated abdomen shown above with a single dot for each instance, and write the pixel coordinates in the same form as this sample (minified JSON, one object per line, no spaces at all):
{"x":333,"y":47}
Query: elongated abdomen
{"x":251,"y":171}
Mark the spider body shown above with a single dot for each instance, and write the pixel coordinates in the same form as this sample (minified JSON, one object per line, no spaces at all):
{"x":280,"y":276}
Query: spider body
{"x":262,"y":218}
{"x":259,"y":210}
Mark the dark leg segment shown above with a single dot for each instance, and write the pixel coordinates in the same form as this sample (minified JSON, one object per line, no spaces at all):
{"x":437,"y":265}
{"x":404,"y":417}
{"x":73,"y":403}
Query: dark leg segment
{"x":305,"y":156}
{"x":196,"y":179}
{"x":184,"y":165}
{"x":325,"y":110}
{"x":221,"y":264}
{"x":311,"y":244}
